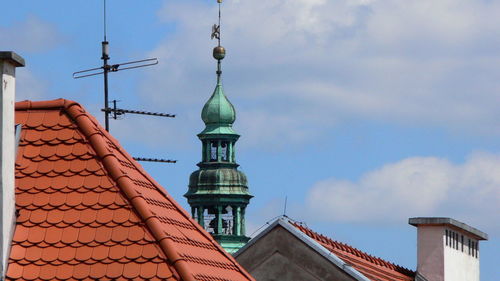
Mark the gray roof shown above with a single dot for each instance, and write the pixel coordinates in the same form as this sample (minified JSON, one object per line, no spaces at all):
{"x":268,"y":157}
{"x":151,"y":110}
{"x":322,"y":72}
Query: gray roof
{"x":283,"y":222}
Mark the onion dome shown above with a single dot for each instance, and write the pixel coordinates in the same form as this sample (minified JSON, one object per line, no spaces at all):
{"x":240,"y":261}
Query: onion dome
{"x":218,"y":109}
{"x":218,"y":114}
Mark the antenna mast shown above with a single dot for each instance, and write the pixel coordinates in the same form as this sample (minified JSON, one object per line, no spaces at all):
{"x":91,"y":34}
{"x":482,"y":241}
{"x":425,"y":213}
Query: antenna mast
{"x":284,"y":208}
{"x":105,"y":69}
{"x":104,"y":16}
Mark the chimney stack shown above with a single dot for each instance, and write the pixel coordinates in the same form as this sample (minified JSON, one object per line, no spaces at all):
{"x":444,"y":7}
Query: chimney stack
{"x":8,"y":63}
{"x":447,"y":250}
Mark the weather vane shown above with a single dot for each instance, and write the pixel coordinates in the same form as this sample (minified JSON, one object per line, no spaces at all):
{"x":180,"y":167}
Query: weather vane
{"x":216,"y":27}
{"x":219,"y":52}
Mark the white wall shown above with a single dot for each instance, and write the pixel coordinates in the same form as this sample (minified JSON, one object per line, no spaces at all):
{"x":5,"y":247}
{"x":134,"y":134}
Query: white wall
{"x":460,"y":266}
{"x":440,"y":262}
{"x":7,"y":158}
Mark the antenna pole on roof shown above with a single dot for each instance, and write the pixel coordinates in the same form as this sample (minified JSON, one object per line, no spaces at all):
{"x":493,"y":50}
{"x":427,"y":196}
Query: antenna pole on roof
{"x":284,"y":209}
{"x":105,"y":58}
{"x":106,"y":68}
{"x":104,"y":16}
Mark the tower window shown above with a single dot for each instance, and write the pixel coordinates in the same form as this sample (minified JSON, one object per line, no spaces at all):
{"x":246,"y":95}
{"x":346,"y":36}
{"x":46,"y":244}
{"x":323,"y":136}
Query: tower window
{"x":227,"y":220}
{"x":209,"y":219}
{"x":446,"y":234}
{"x":224,"y":150}
{"x":213,"y":151}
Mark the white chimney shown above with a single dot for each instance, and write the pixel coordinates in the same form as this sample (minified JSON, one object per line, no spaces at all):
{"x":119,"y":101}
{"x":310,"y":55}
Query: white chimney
{"x":8,"y":63}
{"x":447,"y":250}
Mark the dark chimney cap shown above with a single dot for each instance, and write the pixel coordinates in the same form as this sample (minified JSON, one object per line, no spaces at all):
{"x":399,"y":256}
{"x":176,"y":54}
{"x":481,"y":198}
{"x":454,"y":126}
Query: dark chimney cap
{"x":13,"y":58}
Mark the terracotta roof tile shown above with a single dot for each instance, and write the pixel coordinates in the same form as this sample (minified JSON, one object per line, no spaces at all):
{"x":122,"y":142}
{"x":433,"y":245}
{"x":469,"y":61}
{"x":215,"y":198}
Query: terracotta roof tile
{"x":32,"y":273}
{"x":88,"y":211}
{"x":132,"y":270}
{"x":64,"y":271}
{"x":47,"y":272}
{"x":374,"y":268}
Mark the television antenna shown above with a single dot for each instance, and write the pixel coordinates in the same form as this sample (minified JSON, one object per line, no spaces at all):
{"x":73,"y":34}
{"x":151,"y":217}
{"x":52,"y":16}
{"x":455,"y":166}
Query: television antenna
{"x":105,"y":69}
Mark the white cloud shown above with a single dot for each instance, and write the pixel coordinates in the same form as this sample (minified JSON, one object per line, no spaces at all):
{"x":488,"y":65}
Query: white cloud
{"x":32,"y":35}
{"x":296,"y":63}
{"x":417,"y":186}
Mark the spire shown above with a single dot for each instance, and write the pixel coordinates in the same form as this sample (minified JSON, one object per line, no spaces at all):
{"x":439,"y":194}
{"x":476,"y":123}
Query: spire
{"x":218,"y":192}
{"x":219,"y":52}
{"x":218,"y":112}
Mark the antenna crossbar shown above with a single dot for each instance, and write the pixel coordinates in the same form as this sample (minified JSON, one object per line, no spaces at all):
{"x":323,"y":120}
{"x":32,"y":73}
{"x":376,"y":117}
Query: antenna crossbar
{"x":154,"y":160}
{"x":105,"y":69}
{"x":115,"y":68}
{"x":119,"y":111}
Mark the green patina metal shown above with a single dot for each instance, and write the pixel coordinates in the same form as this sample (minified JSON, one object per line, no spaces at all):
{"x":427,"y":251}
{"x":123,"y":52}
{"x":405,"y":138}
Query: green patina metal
{"x":218,"y":115}
{"x":218,"y":192}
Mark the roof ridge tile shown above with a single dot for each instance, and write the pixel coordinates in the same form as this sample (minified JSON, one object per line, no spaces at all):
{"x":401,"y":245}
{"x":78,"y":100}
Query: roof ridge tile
{"x":354,"y":251}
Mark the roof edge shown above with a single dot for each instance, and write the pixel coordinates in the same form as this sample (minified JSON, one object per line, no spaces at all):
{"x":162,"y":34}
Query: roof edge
{"x":92,"y":126}
{"x":111,"y":164}
{"x":436,"y":221}
{"x":185,"y":214}
{"x":283,"y":222}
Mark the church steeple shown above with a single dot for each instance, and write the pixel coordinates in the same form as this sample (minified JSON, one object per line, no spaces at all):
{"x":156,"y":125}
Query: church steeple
{"x":218,"y":192}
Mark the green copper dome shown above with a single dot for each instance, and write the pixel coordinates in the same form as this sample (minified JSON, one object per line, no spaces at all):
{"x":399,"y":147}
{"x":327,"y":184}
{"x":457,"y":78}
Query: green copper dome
{"x":218,"y":114}
{"x":218,"y":109}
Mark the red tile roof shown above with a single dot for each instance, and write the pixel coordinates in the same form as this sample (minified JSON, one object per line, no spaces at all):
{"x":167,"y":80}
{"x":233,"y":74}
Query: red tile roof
{"x":88,"y":211}
{"x":374,"y":268}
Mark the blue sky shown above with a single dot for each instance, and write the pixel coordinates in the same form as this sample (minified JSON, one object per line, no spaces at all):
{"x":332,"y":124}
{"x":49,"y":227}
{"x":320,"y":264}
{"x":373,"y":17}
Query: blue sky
{"x":361,"y":112}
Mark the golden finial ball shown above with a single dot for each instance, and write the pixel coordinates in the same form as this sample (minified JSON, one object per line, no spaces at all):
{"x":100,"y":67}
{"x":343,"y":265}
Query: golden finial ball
{"x":219,"y":1}
{"x":219,"y":52}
